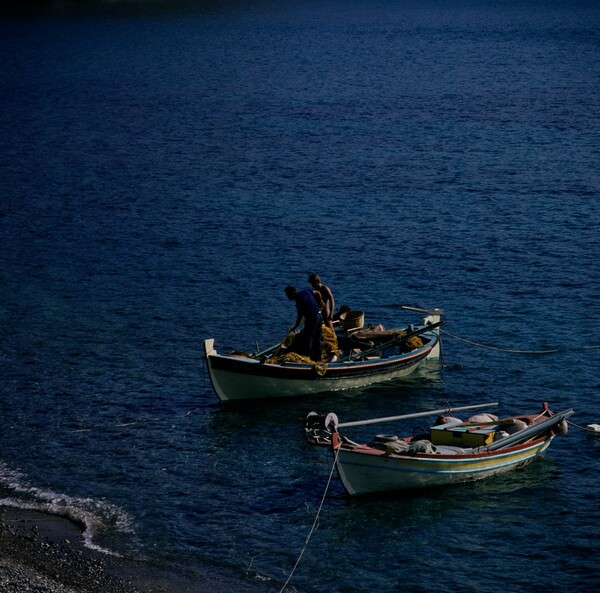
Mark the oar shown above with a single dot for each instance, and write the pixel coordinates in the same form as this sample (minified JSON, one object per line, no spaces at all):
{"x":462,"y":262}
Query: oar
{"x":531,"y":431}
{"x":282,"y":341}
{"x":396,"y":340}
{"x":268,"y":350}
{"x":274,"y":347}
{"x":417,"y":415}
{"x":419,"y":310}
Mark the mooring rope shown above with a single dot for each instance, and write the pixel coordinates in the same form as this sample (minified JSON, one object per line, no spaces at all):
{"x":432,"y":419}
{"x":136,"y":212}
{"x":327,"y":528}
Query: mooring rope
{"x":496,"y":348}
{"x":442,"y":358}
{"x":314,"y":525}
{"x":584,"y":428}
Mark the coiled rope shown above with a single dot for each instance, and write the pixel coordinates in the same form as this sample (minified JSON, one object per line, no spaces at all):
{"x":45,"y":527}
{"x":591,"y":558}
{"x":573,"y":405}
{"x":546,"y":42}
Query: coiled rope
{"x":315,"y":524}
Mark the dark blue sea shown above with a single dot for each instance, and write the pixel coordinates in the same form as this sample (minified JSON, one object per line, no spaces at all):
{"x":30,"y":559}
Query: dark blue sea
{"x":167,"y":168}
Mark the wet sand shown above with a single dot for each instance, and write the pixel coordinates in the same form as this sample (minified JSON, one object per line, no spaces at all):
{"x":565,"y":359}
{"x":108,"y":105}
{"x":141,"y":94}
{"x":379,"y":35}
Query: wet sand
{"x":44,"y":553}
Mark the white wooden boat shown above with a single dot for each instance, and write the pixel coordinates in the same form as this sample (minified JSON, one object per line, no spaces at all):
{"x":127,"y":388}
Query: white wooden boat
{"x":239,"y":376}
{"x":449,"y":453}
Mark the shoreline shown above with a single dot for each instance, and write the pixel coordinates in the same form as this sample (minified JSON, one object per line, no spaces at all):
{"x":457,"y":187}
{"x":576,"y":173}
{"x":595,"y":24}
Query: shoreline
{"x":45,"y":553}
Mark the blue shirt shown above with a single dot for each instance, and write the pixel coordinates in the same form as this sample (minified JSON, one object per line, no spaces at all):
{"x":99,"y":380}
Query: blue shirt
{"x":306,"y":305}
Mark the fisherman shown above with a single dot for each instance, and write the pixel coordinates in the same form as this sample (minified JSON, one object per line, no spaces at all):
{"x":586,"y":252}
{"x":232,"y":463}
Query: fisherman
{"x":307,"y":308}
{"x":324,"y":298}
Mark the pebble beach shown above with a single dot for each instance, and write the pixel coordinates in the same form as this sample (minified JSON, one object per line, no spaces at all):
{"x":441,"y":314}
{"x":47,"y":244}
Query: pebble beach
{"x":44,"y":553}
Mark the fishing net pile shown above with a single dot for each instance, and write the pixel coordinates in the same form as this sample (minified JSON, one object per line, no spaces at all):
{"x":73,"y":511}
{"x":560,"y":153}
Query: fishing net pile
{"x":415,"y":342}
{"x":329,"y":348}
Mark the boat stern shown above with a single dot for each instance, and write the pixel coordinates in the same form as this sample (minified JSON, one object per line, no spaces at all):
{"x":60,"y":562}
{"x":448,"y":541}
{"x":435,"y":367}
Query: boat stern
{"x":209,"y":347}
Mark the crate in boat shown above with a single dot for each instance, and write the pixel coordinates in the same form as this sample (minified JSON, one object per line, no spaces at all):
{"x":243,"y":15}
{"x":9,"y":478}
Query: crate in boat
{"x":463,"y":436}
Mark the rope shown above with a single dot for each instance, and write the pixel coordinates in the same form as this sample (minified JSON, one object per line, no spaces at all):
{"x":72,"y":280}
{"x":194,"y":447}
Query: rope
{"x":584,"y":428}
{"x":442,"y":357}
{"x":314,"y":525}
{"x":495,"y":348}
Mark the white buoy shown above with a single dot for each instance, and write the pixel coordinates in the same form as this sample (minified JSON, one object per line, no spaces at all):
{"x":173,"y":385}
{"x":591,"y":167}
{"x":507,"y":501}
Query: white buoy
{"x":593,"y":427}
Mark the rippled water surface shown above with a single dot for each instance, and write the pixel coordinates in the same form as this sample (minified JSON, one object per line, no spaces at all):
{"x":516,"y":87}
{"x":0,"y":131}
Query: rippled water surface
{"x":165,"y":175}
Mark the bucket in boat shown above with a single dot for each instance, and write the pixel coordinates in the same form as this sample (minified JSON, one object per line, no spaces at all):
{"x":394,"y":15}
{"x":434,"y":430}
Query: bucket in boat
{"x":352,"y":320}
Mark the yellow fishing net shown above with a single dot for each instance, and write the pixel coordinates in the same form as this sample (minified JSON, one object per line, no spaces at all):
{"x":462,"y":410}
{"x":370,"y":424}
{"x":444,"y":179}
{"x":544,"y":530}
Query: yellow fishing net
{"x":329,"y":343}
{"x":320,"y":367}
{"x":415,"y":342}
{"x":329,"y":346}
{"x":290,"y":357}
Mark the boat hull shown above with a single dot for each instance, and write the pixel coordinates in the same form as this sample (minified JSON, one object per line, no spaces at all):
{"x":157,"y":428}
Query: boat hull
{"x":241,"y":378}
{"x":363,"y":472}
